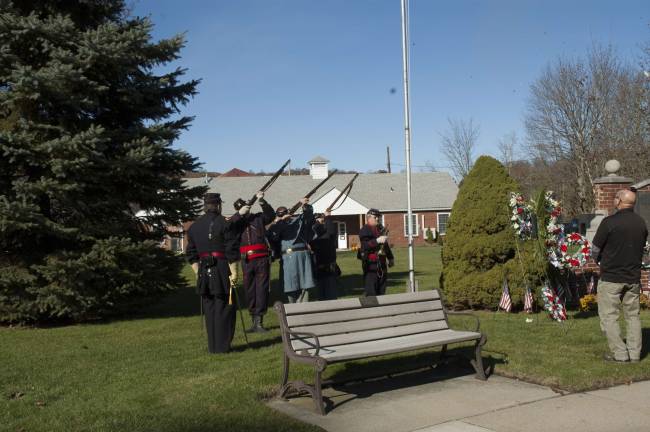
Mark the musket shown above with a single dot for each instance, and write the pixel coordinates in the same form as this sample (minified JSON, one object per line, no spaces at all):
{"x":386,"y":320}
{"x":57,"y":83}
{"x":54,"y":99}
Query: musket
{"x":297,"y":205}
{"x":383,"y":231}
{"x":233,"y":289}
{"x":268,"y":184}
{"x":347,"y":187}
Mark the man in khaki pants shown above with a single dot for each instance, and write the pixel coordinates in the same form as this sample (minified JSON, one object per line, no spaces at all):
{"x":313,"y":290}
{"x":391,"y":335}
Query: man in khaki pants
{"x":619,"y":244}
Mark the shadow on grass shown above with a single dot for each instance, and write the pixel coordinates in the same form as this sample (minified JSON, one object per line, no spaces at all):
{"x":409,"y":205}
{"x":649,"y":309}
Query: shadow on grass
{"x":585,"y":314}
{"x":255,"y":344}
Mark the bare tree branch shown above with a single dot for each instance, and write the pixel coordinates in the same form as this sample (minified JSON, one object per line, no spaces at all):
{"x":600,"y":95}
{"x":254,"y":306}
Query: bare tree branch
{"x":458,"y":145}
{"x":582,"y":113}
{"x":507,"y":149}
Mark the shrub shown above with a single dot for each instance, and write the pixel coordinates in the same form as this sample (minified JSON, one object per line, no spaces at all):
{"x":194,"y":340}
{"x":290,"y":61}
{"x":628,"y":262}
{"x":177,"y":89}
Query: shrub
{"x":480,"y":246}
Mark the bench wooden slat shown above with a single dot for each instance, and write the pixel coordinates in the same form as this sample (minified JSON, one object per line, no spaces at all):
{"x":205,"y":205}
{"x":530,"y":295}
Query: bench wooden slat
{"x":356,"y":303}
{"x":394,"y":345}
{"x":356,"y":314}
{"x":369,"y":335}
{"x":371,"y":323}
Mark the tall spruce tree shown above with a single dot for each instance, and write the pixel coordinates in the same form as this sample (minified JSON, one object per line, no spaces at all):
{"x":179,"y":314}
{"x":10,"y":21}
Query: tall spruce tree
{"x":480,"y":246}
{"x":86,"y":132}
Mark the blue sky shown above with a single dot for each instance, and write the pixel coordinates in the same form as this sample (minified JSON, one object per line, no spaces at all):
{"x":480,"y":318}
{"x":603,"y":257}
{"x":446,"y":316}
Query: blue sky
{"x":298,"y":78}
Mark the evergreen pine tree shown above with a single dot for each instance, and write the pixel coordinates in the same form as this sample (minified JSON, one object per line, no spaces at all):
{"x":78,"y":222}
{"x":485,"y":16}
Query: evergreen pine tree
{"x":86,"y":132}
{"x":480,"y":246}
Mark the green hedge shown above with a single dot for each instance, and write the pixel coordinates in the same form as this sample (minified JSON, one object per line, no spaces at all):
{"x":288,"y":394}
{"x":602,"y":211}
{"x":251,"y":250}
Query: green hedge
{"x":480,"y":247}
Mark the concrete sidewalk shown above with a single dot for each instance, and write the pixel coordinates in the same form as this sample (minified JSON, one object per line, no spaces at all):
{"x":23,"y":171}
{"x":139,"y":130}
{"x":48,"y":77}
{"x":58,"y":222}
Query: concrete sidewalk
{"x":428,"y":402}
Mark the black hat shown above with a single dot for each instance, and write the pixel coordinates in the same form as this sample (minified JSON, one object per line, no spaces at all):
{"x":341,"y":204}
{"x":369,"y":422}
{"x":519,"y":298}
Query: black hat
{"x":212,"y":198}
{"x":281,"y":211}
{"x":239,"y":203}
{"x":374,"y":212}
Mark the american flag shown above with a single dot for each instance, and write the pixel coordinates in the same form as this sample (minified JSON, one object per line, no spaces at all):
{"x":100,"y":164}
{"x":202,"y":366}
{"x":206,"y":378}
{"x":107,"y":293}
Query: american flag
{"x":506,"y":302}
{"x":591,"y":287}
{"x":560,"y":291}
{"x":528,"y":299}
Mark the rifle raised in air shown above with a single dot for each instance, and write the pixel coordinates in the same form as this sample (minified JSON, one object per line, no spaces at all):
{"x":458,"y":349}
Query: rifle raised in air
{"x":268,"y":184}
{"x":345,"y":190}
{"x":297,"y":205}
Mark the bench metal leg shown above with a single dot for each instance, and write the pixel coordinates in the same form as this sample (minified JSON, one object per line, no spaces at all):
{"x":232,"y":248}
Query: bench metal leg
{"x":477,"y":362}
{"x":317,"y":395}
{"x":284,"y":387}
{"x":443,"y":353}
{"x":314,"y":391}
{"x":285,"y":371}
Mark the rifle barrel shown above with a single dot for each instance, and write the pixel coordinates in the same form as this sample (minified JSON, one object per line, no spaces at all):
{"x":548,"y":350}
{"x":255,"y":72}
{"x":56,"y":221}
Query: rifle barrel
{"x":349,"y":185}
{"x":270,"y":182}
{"x":311,"y":192}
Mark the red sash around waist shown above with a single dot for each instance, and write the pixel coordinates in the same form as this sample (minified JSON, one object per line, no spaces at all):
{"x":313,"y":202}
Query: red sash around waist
{"x":253,"y":251}
{"x":217,"y":254}
{"x":373,"y":257}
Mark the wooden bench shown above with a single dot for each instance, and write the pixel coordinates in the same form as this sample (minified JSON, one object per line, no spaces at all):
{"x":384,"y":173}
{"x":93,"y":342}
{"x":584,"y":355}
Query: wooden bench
{"x":325,"y":332}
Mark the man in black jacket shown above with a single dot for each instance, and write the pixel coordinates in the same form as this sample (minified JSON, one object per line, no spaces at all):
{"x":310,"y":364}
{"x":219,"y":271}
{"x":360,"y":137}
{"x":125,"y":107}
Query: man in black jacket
{"x":206,"y":251}
{"x":255,"y":260}
{"x":618,"y":246}
{"x":375,"y":254}
{"x":324,"y":249}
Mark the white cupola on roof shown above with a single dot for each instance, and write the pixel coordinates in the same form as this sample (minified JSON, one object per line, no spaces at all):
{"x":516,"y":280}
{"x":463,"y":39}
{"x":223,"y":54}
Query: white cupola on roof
{"x":318,"y":168}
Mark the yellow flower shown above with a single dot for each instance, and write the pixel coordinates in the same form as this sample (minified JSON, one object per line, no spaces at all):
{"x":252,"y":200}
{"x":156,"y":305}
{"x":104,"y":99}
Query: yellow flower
{"x":588,"y":302}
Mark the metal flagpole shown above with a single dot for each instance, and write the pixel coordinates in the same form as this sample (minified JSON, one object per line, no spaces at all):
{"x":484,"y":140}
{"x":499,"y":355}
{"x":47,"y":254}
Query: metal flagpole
{"x":407,"y":137}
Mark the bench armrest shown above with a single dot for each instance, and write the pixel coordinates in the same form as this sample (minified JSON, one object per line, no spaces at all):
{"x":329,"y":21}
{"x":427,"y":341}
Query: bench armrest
{"x":312,"y":335}
{"x":478,"y":323}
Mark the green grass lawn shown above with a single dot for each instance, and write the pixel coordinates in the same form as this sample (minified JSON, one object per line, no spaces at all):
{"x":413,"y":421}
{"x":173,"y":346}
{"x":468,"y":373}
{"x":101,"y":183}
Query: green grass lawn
{"x":151,"y":371}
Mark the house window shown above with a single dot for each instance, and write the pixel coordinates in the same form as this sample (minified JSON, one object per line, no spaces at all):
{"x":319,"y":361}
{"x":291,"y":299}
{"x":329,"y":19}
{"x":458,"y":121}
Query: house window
{"x":176,"y":242}
{"x":416,"y":227}
{"x":442,"y":222}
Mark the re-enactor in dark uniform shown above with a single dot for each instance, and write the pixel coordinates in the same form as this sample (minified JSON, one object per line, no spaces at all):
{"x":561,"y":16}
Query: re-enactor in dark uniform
{"x":255,"y":260}
{"x":293,"y":234}
{"x":375,"y":255}
{"x":324,"y":248}
{"x":208,"y":238}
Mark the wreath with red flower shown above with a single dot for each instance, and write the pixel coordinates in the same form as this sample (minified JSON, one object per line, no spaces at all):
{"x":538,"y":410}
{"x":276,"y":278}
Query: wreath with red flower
{"x":521,"y":216}
{"x":573,"y":251}
{"x":553,"y":304}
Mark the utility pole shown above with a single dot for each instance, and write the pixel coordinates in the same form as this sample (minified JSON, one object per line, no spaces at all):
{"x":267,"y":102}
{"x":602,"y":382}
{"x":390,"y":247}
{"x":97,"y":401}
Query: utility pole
{"x":388,"y":159}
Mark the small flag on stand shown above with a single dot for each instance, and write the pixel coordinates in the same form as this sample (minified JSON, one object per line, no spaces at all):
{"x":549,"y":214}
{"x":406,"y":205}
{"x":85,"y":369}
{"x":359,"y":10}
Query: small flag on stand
{"x":506,"y":301}
{"x":528,"y":299}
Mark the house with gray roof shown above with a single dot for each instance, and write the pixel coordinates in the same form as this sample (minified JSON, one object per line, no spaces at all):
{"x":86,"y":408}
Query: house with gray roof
{"x":433,"y":195}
